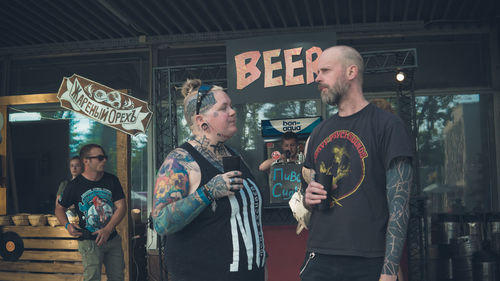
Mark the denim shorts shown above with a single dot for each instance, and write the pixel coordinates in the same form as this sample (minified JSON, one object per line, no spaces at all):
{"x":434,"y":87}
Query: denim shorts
{"x":93,"y":257}
{"x":319,"y":267}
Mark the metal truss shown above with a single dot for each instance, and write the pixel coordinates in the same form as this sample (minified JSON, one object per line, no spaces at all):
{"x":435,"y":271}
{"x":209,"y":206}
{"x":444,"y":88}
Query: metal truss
{"x":391,"y":60}
{"x":417,"y":225}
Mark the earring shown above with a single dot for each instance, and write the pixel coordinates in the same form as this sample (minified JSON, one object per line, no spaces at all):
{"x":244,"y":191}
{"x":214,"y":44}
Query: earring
{"x":204,"y":126}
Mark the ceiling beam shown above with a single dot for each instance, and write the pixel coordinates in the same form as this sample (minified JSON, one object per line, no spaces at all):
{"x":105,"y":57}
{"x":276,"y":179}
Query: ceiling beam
{"x":110,"y":21}
{"x":308,"y":11}
{"x":118,"y":13}
{"x":210,"y":15}
{"x":433,"y":10}
{"x":96,"y":22}
{"x":337,"y":12}
{"x":458,"y":15}
{"x":14,"y":36}
{"x":182,"y":15}
{"x":419,"y":10}
{"x":224,"y":15}
{"x":131,"y":44}
{"x":28,"y":30}
{"x":249,"y":8}
{"x":118,"y":21}
{"x":474,"y":9}
{"x":152,"y":11}
{"x":142,"y":15}
{"x":391,"y":9}
{"x":59,"y":25}
{"x":168,"y":15}
{"x":200,"y":18}
{"x":364,"y":11}
{"x":294,"y":12}
{"x":322,"y":11}
{"x":43,"y":26}
{"x":447,"y":10}
{"x":351,"y":16}
{"x":89,"y":34}
{"x":266,"y":13}
{"x":238,"y":14}
{"x":407,"y":7}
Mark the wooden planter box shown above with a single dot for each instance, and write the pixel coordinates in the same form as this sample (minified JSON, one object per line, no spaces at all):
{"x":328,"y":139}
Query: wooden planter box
{"x":50,"y":254}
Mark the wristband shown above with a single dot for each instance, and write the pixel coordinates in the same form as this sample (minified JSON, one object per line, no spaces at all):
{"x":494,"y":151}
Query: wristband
{"x":66,"y":226}
{"x":209,"y":194}
{"x":203,"y":196}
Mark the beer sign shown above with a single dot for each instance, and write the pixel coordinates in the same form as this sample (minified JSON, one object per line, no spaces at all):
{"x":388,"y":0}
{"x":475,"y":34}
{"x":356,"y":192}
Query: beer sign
{"x":105,"y":105}
{"x":269,"y":68}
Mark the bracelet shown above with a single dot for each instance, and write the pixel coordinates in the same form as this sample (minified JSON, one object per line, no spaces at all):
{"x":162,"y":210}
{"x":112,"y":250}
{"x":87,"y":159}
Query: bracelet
{"x":202,"y":195}
{"x":66,"y":226}
{"x":208,"y":193}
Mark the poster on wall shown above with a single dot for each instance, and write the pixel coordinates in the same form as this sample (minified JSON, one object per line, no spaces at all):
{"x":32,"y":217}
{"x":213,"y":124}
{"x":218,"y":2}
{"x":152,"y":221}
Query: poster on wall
{"x":271,"y":68}
{"x":105,"y":105}
{"x":300,"y":126}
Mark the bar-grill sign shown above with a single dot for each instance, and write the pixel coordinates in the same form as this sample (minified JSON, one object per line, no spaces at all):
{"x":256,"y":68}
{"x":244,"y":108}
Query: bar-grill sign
{"x":105,"y":105}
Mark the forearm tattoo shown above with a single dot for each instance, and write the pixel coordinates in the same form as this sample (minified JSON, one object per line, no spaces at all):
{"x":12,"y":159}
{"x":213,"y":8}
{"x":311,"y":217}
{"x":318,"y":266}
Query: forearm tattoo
{"x":173,"y":207}
{"x":399,"y":178}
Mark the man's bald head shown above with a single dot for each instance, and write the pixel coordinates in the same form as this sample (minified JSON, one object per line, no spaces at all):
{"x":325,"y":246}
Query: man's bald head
{"x":347,"y":56}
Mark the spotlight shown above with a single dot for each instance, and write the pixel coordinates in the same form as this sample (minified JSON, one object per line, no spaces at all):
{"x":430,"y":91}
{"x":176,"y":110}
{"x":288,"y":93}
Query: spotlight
{"x":400,"y":76}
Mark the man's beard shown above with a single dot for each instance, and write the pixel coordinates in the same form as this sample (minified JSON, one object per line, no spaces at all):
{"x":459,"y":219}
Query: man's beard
{"x":333,"y":95}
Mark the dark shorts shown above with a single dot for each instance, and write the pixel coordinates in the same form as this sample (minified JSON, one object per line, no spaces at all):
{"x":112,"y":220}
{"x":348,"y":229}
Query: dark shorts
{"x":319,"y":267}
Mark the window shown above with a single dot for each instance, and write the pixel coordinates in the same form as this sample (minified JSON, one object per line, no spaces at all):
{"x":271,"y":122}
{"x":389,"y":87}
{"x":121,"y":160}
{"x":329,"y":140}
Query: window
{"x":455,"y":150}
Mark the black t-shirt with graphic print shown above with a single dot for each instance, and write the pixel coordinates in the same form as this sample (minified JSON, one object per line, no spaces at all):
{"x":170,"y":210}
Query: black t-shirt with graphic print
{"x":357,"y":151}
{"x":93,"y":200}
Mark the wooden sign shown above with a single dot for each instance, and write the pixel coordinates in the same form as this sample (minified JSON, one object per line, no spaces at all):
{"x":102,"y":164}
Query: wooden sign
{"x":105,"y":105}
{"x":284,"y":180}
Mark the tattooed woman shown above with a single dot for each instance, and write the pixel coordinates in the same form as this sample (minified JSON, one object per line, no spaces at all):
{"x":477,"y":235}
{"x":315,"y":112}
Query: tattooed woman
{"x":210,"y":219}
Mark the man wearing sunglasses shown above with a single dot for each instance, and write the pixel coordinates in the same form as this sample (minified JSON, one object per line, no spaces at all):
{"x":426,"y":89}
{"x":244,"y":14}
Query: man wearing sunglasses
{"x":101,"y":206}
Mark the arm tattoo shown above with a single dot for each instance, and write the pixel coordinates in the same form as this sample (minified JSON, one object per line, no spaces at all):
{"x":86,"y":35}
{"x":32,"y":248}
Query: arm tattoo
{"x":173,"y":206}
{"x":399,"y":178}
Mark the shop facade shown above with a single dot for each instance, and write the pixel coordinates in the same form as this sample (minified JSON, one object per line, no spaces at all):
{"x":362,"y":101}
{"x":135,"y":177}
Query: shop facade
{"x":450,"y":99}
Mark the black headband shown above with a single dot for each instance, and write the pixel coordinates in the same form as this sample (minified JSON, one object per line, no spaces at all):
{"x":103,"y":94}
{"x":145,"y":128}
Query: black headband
{"x":202,"y":91}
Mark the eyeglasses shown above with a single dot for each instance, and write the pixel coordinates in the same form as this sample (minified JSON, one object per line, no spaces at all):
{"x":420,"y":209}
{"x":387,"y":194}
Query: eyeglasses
{"x":99,"y":157}
{"x":202,"y":91}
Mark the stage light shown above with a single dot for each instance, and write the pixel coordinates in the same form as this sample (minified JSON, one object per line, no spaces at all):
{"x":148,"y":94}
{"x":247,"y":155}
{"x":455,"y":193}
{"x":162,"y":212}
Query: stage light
{"x":400,"y":76}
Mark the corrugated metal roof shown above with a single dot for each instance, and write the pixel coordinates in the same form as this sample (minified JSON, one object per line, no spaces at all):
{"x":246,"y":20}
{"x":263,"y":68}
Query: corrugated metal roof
{"x":37,"y":22}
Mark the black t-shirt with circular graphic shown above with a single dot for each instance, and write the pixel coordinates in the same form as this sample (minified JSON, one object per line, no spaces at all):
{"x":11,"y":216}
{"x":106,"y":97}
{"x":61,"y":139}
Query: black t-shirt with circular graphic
{"x":356,"y":150}
{"x":94,"y":200}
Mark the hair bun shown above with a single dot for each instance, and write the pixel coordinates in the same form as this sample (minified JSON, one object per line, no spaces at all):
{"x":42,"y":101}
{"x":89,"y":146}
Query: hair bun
{"x":190,"y":86}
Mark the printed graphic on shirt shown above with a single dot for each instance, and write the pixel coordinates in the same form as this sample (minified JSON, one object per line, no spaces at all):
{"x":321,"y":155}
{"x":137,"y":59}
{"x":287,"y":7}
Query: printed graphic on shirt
{"x":342,"y":154}
{"x":97,"y":207}
{"x":244,"y":222}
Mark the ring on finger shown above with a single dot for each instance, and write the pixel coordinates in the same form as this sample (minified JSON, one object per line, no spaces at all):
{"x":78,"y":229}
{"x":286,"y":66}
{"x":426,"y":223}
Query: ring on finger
{"x":231,"y":180}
